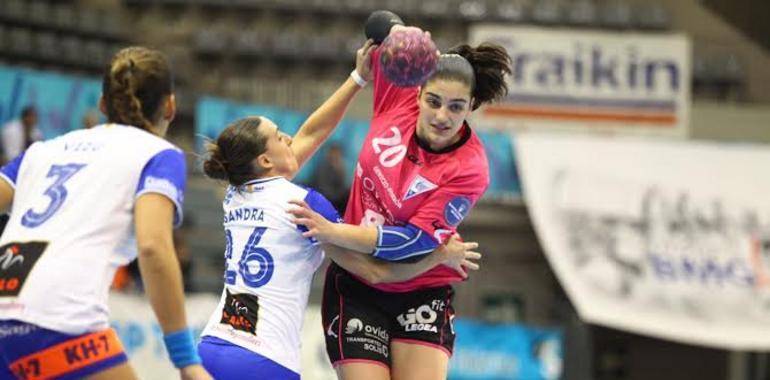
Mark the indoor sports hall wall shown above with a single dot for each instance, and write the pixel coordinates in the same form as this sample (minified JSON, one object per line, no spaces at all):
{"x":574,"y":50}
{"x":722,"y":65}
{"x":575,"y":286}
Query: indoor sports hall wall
{"x":61,"y":100}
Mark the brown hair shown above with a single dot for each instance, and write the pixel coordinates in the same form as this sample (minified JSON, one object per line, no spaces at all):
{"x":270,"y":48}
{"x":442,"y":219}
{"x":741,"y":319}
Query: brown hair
{"x":134,"y":85}
{"x":482,"y":68}
{"x":230,"y":156}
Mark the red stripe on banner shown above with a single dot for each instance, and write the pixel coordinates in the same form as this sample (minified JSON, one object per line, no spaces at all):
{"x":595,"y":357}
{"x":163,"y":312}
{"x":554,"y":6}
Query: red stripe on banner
{"x":662,"y":119}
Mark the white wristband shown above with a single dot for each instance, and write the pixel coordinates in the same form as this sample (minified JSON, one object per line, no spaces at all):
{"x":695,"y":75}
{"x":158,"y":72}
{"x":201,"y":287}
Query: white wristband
{"x":361,"y":82}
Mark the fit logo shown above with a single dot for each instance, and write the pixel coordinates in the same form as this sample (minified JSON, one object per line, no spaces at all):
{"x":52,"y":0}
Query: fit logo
{"x":419,"y":319}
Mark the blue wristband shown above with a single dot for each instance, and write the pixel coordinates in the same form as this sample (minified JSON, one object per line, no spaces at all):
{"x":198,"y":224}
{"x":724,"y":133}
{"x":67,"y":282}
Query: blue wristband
{"x":181,"y":348}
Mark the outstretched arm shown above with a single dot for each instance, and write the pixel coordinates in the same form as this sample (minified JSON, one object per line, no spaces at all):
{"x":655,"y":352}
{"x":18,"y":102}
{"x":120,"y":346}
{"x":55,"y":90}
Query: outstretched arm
{"x":325,"y":119}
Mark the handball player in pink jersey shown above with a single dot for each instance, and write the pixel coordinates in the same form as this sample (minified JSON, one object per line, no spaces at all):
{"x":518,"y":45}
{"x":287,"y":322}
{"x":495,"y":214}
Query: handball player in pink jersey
{"x":420,"y":171}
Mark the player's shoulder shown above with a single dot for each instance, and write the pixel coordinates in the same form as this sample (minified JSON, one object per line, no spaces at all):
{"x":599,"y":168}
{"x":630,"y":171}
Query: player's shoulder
{"x":278,"y":188}
{"x":314,"y":196}
{"x":472,"y":154}
{"x":137,"y":144}
{"x":150,"y":141}
{"x":311,"y":196}
{"x":320,"y":204}
{"x":469,"y":166}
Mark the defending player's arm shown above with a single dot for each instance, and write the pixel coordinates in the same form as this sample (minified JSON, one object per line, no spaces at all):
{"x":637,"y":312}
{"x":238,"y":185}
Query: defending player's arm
{"x":391,"y":243}
{"x":455,"y":254}
{"x":437,"y":219}
{"x":8,"y":174}
{"x":325,"y":119}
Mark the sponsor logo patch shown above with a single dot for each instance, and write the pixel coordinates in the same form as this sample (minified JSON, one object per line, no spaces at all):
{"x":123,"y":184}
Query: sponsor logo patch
{"x":419,"y":185}
{"x":456,"y":210}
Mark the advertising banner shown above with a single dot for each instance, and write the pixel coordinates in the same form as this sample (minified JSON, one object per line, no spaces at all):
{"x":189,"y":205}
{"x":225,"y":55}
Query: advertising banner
{"x":591,"y":81}
{"x":669,"y":239}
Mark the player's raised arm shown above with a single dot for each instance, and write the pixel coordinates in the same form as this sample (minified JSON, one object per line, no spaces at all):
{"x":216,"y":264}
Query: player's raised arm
{"x":325,"y":119}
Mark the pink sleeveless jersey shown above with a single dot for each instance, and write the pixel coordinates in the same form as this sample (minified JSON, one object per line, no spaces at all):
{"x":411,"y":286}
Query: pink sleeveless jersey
{"x":398,"y":182}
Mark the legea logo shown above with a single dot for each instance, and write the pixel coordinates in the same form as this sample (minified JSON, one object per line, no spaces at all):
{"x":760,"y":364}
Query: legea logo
{"x":419,"y":319}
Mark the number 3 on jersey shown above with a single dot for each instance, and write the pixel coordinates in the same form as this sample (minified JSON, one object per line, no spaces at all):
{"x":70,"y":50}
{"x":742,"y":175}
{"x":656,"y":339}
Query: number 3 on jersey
{"x":256,"y":264}
{"x":395,"y":152}
{"x":57,"y":192}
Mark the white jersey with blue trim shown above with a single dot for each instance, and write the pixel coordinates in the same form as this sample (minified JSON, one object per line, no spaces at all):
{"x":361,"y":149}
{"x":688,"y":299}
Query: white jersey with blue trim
{"x":72,"y":224}
{"x":269,"y":267}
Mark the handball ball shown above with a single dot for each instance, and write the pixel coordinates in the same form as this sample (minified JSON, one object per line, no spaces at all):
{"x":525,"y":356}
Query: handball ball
{"x":408,"y":57}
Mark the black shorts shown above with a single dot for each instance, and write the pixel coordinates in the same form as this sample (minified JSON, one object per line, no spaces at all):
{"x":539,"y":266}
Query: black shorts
{"x":361,"y":321}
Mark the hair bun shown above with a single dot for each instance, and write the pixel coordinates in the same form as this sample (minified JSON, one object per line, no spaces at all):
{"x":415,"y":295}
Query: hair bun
{"x":215,"y":165}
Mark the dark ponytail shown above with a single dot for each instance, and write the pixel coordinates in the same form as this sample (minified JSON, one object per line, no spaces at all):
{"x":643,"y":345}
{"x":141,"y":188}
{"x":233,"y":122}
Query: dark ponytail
{"x":230,"y":157}
{"x":482,"y":68}
{"x":134,"y":85}
{"x":214,"y":165}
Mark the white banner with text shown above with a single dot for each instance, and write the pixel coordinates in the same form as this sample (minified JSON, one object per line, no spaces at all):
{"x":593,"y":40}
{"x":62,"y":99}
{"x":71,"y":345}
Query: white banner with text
{"x":669,"y":239}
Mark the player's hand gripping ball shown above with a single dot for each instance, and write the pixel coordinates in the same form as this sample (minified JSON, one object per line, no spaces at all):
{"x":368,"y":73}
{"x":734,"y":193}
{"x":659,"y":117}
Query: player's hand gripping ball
{"x":408,"y":57}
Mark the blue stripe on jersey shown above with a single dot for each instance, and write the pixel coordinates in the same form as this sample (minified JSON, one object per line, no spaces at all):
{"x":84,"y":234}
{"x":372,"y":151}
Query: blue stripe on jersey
{"x":321,"y":205}
{"x":165,"y":173}
{"x":408,"y":243}
{"x":10,"y":170}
